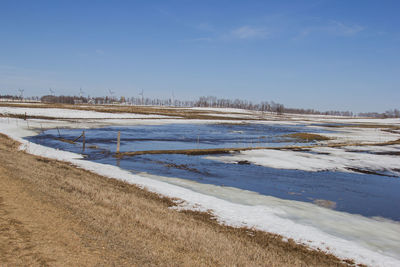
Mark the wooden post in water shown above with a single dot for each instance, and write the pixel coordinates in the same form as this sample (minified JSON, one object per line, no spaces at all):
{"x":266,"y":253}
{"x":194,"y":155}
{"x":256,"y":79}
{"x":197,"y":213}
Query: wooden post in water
{"x":25,"y":117}
{"x":118,"y":141}
{"x":83,"y":140}
{"x":59,"y":135}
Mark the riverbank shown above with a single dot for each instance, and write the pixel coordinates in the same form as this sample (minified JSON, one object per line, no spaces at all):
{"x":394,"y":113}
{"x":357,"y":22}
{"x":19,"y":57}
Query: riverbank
{"x":55,"y":214}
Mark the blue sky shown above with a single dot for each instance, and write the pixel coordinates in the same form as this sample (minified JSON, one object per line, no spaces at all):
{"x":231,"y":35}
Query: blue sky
{"x":326,"y":55}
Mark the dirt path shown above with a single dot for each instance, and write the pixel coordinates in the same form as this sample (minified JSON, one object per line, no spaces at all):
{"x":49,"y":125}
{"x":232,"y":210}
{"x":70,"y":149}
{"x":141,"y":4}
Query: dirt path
{"x":54,"y":214}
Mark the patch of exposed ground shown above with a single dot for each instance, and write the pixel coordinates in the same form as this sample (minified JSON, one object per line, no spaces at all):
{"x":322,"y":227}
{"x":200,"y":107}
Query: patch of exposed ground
{"x":52,"y":213}
{"x":309,"y":137}
{"x":325,"y":203}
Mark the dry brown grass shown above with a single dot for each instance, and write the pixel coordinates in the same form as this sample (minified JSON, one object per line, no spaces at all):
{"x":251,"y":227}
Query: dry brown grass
{"x":145,"y":110}
{"x":308,"y":137}
{"x":52,"y":213}
{"x":183,"y":113}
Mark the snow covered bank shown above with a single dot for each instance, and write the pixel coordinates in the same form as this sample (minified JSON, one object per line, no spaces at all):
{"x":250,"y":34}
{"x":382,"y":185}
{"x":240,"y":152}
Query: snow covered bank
{"x":360,"y":135}
{"x":323,"y":159}
{"x":73,"y":114}
{"x":369,"y":241}
{"x":225,"y":110}
{"x":388,"y":121}
{"x":344,"y":119}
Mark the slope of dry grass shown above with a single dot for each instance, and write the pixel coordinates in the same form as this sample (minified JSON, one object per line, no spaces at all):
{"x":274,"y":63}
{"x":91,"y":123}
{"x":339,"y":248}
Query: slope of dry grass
{"x":54,"y":214}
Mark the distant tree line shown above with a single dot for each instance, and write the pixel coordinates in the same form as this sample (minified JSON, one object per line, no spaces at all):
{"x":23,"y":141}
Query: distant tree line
{"x":211,"y":101}
{"x":62,"y":99}
{"x":214,"y":102}
{"x":204,"y":101}
{"x":393,"y":113}
{"x":10,"y":97}
{"x":316,"y":112}
{"x":18,"y":98}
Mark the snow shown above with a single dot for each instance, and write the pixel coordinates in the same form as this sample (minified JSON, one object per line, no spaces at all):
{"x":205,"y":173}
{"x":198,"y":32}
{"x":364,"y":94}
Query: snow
{"x":235,"y":115}
{"x":72,"y":114}
{"x":294,"y":219}
{"x":344,"y":119}
{"x":375,"y":149}
{"x":359,"y":135}
{"x":225,"y":110}
{"x":319,"y":159}
{"x":388,"y":121}
{"x":369,"y":241}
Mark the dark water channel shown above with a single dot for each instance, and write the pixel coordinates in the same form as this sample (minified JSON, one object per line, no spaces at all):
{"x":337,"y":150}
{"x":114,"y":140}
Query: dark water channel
{"x":365,"y":194}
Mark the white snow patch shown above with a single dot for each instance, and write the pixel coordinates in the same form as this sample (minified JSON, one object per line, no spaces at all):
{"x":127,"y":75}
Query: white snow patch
{"x":225,"y":110}
{"x":318,"y":159}
{"x":73,"y":113}
{"x":360,"y":135}
{"x":226,"y":115}
{"x":374,"y":149}
{"x":388,"y":121}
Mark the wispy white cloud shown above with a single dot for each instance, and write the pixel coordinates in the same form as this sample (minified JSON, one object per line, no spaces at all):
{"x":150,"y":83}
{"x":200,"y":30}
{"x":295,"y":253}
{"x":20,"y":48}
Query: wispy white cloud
{"x":211,"y":33}
{"x":333,"y":28}
{"x":240,"y":33}
{"x":248,"y":32}
{"x":343,"y":29}
{"x":261,"y":31}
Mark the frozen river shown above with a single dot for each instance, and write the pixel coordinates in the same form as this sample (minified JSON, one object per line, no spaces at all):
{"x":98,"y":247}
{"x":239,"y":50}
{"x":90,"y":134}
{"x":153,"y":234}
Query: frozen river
{"x":366,"y":194}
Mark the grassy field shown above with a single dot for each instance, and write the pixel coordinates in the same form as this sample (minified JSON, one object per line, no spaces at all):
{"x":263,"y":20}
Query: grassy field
{"x":53,"y":214}
{"x":183,"y":113}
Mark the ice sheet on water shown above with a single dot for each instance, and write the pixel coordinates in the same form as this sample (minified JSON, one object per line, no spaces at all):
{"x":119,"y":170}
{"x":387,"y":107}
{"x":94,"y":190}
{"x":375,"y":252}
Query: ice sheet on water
{"x":319,"y":159}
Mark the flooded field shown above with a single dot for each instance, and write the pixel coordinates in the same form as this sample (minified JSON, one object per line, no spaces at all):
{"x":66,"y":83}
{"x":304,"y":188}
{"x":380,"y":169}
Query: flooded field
{"x":365,"y":194}
{"x":180,"y":136}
